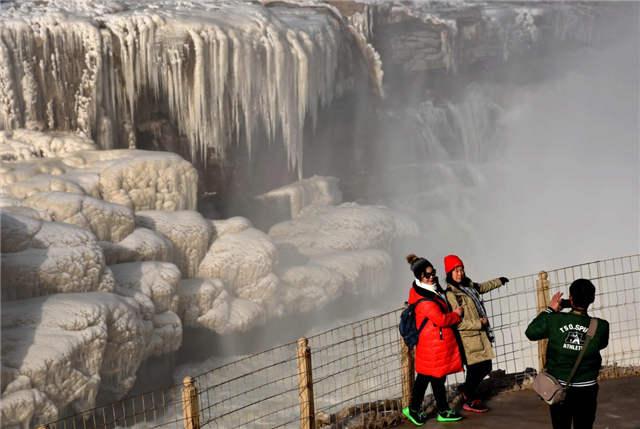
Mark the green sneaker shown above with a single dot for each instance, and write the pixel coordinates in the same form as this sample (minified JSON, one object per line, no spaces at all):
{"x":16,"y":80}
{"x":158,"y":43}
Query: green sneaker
{"x":414,"y":417}
{"x":448,"y":416}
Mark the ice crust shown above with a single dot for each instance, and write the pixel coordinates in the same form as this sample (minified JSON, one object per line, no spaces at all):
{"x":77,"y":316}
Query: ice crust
{"x":198,"y":59}
{"x":58,"y":350}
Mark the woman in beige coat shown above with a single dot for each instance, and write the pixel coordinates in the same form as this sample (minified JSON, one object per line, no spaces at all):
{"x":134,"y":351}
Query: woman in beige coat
{"x":475,"y":331}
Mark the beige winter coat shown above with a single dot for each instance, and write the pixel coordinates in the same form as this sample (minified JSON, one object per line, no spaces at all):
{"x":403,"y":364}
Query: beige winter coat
{"x":477,"y":347}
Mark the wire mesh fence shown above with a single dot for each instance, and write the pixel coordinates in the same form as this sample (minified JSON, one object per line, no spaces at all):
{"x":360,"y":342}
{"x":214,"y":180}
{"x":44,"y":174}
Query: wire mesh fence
{"x":351,"y":375}
{"x":162,"y":408}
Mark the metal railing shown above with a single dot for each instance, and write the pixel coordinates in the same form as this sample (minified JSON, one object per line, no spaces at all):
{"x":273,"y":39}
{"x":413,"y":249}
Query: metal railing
{"x":354,"y":373}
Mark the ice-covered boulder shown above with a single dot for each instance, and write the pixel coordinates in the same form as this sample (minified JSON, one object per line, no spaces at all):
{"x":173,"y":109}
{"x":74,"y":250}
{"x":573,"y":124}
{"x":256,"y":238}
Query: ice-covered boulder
{"x":349,"y":226}
{"x":109,"y":222}
{"x":364,"y":271}
{"x":16,"y":231}
{"x":150,"y":181}
{"x":230,"y":225}
{"x":188,"y":231}
{"x":292,"y":198}
{"x":22,"y":144}
{"x":15,"y":172}
{"x":60,"y":258}
{"x":152,"y":284}
{"x":59,"y":350}
{"x":18,"y":407}
{"x":310,"y":287}
{"x":42,"y":183}
{"x":141,"y":245}
{"x":167,"y":334}
{"x":244,"y":261}
{"x":204,"y":303}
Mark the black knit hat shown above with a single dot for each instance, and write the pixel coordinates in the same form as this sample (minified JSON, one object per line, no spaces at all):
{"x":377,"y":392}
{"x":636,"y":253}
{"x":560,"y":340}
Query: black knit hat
{"x":583,"y":292}
{"x":418,"y":265}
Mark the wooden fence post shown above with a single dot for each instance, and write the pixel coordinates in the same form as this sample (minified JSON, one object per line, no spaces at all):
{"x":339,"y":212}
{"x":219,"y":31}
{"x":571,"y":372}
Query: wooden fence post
{"x":305,"y":386}
{"x":406,"y":356}
{"x":542,"y":297}
{"x":190,"y":408}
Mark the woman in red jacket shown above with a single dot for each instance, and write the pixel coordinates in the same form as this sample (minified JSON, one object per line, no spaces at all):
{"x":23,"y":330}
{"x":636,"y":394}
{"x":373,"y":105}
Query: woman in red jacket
{"x":437,"y":352}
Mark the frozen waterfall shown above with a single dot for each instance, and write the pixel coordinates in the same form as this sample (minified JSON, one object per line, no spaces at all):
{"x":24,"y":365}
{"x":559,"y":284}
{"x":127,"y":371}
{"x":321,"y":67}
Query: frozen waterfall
{"x":219,"y":71}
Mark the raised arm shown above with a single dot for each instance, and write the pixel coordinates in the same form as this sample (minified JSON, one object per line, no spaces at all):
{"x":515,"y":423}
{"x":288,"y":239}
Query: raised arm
{"x":489,"y":285}
{"x":538,"y":329}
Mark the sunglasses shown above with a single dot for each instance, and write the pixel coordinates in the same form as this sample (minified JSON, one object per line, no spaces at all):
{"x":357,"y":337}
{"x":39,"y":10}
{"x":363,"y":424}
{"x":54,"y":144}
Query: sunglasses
{"x":430,"y":274}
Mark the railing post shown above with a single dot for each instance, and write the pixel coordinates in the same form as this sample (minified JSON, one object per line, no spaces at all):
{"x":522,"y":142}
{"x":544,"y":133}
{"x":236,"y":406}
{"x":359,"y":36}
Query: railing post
{"x":542,"y":297}
{"x":406,"y":357}
{"x":190,"y":408}
{"x":305,"y":386}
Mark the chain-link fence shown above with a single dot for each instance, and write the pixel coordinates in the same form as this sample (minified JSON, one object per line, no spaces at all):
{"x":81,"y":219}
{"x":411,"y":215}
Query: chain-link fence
{"x":353,"y":374}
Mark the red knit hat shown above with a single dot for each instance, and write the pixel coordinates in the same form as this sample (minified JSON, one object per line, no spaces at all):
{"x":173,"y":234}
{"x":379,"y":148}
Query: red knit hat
{"x":450,"y":262}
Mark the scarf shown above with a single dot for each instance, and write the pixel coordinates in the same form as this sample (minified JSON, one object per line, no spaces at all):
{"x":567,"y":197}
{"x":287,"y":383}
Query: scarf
{"x":477,"y":300}
{"x":435,"y":288}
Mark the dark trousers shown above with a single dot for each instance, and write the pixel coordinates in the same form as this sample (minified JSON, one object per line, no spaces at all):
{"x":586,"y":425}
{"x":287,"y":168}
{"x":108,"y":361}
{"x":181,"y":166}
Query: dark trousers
{"x":475,"y":374}
{"x":420,"y":387}
{"x":579,"y":406}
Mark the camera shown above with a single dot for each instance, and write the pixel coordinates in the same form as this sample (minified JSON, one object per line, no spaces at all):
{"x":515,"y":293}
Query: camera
{"x":565,"y":303}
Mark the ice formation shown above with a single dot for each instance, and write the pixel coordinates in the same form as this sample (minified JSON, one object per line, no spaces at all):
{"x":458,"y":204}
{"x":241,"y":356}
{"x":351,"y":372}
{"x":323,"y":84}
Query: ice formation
{"x":195,"y":62}
{"x":89,"y":221}
{"x":108,"y":222}
{"x":58,"y":258}
{"x":322,"y":229}
{"x":58,"y":350}
{"x":141,"y":245}
{"x":296,"y":196}
{"x":188,"y":231}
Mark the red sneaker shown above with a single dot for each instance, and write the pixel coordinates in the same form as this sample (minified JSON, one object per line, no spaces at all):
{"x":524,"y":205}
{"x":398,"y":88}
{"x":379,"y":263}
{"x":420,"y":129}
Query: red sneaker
{"x":475,"y":406}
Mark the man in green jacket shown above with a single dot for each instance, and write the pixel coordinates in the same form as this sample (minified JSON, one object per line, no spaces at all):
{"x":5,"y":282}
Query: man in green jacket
{"x":566,"y":333}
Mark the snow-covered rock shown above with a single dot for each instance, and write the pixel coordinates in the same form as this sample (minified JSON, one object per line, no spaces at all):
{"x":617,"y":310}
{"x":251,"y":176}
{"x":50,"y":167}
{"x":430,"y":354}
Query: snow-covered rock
{"x":349,"y":226}
{"x":167,"y":334}
{"x":42,"y":183}
{"x":204,"y":303}
{"x":310,"y":287}
{"x":16,"y":231}
{"x":316,"y":190}
{"x":150,"y":181}
{"x":22,"y":144}
{"x":153,"y":284}
{"x":364,"y":271}
{"x":61,"y":258}
{"x":141,"y":245}
{"x":59,"y":350}
{"x":188,"y":231}
{"x":244,"y":261}
{"x":109,"y":222}
{"x":230,"y":225}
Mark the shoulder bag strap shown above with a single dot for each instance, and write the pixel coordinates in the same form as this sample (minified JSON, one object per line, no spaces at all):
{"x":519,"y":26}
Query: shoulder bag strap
{"x":593,"y":325}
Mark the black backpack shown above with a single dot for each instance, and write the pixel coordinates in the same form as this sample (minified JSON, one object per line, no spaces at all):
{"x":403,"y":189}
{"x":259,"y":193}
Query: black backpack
{"x":410,"y":334}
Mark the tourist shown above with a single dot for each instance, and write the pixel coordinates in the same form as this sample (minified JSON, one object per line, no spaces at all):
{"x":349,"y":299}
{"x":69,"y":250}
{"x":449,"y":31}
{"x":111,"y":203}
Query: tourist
{"x":475,"y":331}
{"x":437,"y":353}
{"x":566,"y":332}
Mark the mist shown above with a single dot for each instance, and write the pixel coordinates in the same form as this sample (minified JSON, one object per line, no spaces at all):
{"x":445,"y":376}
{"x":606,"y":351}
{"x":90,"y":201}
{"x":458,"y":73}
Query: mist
{"x":539,"y":168}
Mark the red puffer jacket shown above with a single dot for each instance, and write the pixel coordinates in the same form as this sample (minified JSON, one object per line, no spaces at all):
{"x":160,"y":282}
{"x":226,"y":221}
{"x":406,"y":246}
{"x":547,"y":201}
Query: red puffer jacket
{"x":437,"y":352}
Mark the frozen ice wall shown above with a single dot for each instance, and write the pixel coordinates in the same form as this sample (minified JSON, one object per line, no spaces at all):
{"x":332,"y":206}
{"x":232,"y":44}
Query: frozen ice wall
{"x":221,"y":72}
